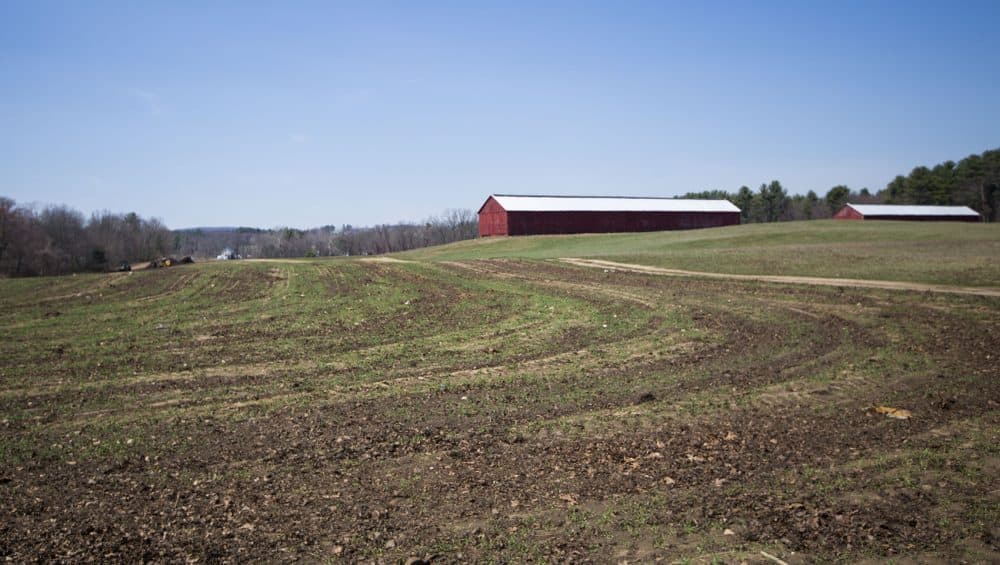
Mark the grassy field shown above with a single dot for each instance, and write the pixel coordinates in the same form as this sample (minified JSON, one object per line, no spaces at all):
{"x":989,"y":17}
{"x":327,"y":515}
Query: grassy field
{"x":928,"y":252}
{"x":456,"y":408}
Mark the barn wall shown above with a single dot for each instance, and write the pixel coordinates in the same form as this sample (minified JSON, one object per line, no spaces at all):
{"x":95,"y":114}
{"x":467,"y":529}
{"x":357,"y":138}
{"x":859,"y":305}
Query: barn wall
{"x":531,"y":223}
{"x":926,"y":218}
{"x":492,"y":219}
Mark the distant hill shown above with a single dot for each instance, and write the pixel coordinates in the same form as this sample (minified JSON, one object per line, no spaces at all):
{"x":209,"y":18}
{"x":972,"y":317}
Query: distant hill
{"x":220,"y":229}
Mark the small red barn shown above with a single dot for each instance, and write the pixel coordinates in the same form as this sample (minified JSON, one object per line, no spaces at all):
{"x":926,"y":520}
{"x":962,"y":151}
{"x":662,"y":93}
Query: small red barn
{"x":906,"y":212}
{"x":506,"y":214}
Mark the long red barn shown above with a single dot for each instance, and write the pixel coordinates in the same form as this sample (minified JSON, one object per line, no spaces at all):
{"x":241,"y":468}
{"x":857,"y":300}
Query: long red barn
{"x":907,"y":212}
{"x":507,"y":214}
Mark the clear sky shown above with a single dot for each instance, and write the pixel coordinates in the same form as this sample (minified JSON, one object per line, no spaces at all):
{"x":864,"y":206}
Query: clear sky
{"x":312,"y":113}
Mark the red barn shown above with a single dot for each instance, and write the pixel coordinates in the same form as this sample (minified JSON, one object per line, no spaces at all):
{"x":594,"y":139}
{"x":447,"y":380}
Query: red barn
{"x":911,"y":213}
{"x":505,"y":214}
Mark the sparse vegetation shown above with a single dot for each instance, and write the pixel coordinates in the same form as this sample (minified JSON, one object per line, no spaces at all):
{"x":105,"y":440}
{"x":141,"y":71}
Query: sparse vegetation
{"x":482,"y":402}
{"x":903,"y":251}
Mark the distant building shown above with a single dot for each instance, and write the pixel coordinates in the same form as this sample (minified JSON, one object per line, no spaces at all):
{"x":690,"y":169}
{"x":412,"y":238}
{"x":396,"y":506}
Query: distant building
{"x":906,"y":212}
{"x":506,"y":214}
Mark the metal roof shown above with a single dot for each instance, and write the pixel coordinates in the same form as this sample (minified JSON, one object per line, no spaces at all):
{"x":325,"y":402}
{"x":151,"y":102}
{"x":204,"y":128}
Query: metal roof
{"x":905,"y":210}
{"x":523,"y":203}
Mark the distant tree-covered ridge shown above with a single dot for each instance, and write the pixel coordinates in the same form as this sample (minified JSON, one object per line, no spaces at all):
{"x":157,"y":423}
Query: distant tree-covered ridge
{"x":973,"y":182}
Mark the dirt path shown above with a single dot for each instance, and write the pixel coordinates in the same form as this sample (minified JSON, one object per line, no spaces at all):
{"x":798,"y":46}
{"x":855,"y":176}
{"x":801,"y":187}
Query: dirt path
{"x":383,"y":259}
{"x":301,"y":261}
{"x":294,"y":261}
{"x":814,"y":281}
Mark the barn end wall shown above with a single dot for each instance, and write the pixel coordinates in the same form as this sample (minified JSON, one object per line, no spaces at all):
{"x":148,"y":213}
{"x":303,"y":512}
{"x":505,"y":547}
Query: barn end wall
{"x":492,"y":219}
{"x":848,"y":213}
{"x":548,"y":223}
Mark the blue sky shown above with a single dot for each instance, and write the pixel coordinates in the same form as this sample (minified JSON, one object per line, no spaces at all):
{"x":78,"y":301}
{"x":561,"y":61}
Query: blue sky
{"x":312,"y":113}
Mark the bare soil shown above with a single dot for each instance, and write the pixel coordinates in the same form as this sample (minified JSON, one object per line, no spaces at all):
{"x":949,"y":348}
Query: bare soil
{"x":581,"y":415}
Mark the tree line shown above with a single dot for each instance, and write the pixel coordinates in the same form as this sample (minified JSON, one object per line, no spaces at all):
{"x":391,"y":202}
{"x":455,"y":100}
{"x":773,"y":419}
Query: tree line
{"x":329,"y":241}
{"x":973,"y":182}
{"x":59,"y":240}
{"x":772,"y":203}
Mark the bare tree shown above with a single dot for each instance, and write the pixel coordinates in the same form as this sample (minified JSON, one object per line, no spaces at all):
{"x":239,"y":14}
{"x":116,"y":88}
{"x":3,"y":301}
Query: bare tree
{"x":65,"y":228}
{"x":6,"y":225}
{"x":59,"y":240}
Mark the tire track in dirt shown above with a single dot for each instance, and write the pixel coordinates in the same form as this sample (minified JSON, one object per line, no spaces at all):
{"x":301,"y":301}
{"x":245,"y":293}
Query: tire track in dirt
{"x":782,"y":279}
{"x":492,"y":270}
{"x":182,"y":283}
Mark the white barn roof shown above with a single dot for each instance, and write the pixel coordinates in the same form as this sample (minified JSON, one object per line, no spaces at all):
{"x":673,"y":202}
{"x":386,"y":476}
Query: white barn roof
{"x":515,"y":203}
{"x":897,"y":210}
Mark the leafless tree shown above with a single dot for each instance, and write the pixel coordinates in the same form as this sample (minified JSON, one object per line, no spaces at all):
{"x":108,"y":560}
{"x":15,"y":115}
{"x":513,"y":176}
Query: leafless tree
{"x":59,"y":240}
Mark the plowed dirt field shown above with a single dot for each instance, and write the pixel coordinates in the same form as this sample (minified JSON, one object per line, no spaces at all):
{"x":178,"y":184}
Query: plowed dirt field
{"x":492,"y":410}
